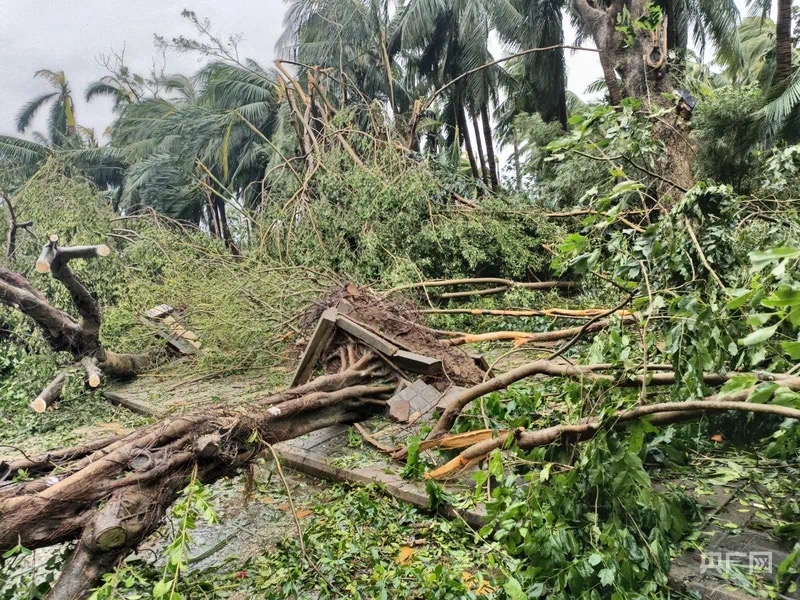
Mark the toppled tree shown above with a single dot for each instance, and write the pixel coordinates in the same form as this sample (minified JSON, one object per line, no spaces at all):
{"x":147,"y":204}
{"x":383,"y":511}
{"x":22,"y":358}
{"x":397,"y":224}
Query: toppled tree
{"x":63,"y":332}
{"x":111,"y":494}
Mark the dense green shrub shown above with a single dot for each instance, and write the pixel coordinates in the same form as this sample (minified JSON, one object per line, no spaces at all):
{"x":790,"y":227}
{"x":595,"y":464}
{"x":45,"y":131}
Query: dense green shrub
{"x":394,"y":220}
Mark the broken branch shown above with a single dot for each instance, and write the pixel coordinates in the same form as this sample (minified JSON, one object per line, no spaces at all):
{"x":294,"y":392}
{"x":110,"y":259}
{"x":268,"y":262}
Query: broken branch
{"x":662,"y":413}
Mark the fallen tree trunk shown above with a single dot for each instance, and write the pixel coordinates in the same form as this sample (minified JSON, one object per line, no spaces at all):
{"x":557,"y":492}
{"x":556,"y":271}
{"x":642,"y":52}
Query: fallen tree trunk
{"x":111,"y":494}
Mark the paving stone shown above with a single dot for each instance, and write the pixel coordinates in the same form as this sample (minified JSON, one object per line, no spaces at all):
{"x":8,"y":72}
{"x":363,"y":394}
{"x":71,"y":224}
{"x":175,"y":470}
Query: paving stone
{"x":414,"y":401}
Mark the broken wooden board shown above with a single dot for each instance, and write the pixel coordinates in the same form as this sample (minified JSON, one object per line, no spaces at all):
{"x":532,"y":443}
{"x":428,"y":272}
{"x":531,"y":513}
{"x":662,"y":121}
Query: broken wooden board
{"x":159,"y":312}
{"x":393,"y":485}
{"x":370,"y":338}
{"x":168,"y":327}
{"x":417,"y":363}
{"x":173,"y":338}
{"x":413,"y":402}
{"x":323,"y":332}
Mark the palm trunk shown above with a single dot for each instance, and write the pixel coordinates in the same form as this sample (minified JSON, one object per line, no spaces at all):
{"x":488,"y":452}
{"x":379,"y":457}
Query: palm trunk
{"x":462,"y":127}
{"x":72,"y":126}
{"x":517,"y":168}
{"x":487,"y":134}
{"x":783,"y":69}
{"x":563,"y":113}
{"x":484,"y":172}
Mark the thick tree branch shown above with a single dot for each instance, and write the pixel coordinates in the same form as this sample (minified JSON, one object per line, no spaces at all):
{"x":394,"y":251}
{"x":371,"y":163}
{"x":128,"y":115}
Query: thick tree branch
{"x":55,"y":260}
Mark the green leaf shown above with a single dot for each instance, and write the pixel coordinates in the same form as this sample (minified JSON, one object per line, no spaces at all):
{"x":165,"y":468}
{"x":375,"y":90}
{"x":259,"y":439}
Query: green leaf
{"x":18,"y":549}
{"x":763,"y":392}
{"x":608,"y":575}
{"x":758,"y":336}
{"x":761,"y":259}
{"x":513,"y":590}
{"x":759,"y":319}
{"x":738,"y":382}
{"x":782,"y":297}
{"x":595,"y":559}
{"x":161,"y":588}
{"x":496,"y":464}
{"x":740,"y":300}
{"x":786,"y":397}
{"x":792,"y":349}
{"x":537,"y":591}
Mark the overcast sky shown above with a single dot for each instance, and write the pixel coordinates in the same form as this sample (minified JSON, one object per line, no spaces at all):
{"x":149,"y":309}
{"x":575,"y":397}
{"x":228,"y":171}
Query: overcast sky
{"x":71,"y":35}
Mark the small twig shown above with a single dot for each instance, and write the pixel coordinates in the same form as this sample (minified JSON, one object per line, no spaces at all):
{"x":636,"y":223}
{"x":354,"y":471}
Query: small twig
{"x":588,"y":324}
{"x":372,"y":440}
{"x":701,"y":254}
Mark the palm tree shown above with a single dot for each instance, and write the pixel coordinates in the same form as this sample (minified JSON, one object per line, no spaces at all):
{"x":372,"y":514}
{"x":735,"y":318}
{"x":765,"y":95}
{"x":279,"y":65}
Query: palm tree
{"x":783,"y":36}
{"x":757,"y":36}
{"x":201,"y":143}
{"x":122,"y":92}
{"x":539,"y":79}
{"x":61,"y":121}
{"x":351,"y":38}
{"x":62,"y":129}
{"x":443,"y":39}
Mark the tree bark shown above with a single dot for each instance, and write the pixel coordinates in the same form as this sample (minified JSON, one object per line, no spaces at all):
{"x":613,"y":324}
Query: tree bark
{"x":612,"y":83}
{"x":783,"y":50}
{"x":111,"y":494}
{"x":484,"y":171}
{"x":490,"y":156}
{"x":627,"y":56}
